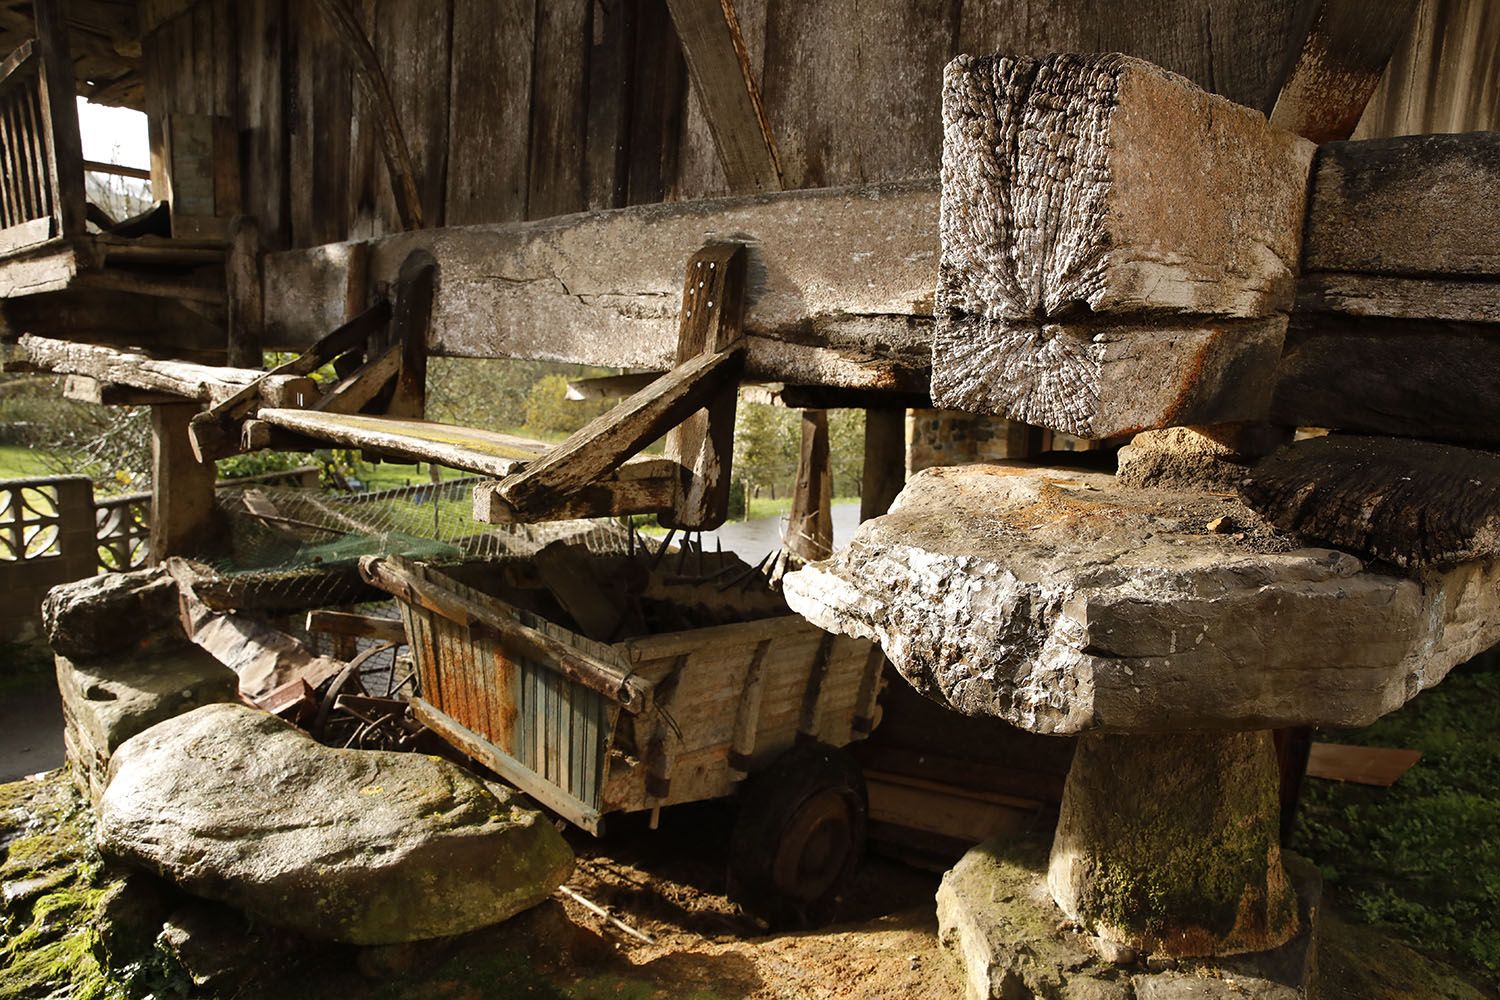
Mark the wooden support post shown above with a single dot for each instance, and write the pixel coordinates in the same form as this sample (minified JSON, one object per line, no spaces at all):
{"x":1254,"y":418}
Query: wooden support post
{"x":713,"y":302}
{"x":885,"y":461}
{"x":60,"y":119}
{"x":242,"y":287}
{"x":411,"y":319}
{"x":809,"y":532}
{"x":182,"y":488}
{"x":1080,"y":297}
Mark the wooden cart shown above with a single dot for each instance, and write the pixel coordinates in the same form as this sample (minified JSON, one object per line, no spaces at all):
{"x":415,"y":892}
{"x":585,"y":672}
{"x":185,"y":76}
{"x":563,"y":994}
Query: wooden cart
{"x":589,"y":729}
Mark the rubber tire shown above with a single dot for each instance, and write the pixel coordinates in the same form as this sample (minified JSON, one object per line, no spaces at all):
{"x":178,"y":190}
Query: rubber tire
{"x":812,"y":785}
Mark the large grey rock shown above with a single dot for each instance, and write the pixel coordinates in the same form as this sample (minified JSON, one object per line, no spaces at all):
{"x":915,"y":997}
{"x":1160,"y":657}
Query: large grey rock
{"x":997,"y":918}
{"x":1065,"y":601}
{"x":105,"y":703}
{"x":358,"y":846}
{"x":88,"y":619}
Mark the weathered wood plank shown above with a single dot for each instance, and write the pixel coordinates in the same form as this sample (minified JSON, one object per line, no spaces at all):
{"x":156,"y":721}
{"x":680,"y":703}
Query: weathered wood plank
{"x":840,"y":284}
{"x":1417,"y":206}
{"x":1028,"y":246}
{"x":242,"y":289}
{"x":559,"y":109}
{"x":1445,"y":77}
{"x":261,"y":34}
{"x":1413,"y":379}
{"x":1413,"y":503}
{"x":611,"y":78}
{"x":59,"y":119}
{"x":713,"y":306}
{"x":180,"y":378}
{"x":348,"y":23}
{"x":489,"y":108}
{"x":489,"y":453}
{"x":719,"y":64}
{"x":885,"y":460}
{"x":1343,"y":55}
{"x":809,"y":527}
{"x":658,"y":86}
{"x":629,"y":492}
{"x":412,"y":38}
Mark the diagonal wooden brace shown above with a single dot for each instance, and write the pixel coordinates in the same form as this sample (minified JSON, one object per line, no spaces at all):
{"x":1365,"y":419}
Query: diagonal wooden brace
{"x":710,"y":361}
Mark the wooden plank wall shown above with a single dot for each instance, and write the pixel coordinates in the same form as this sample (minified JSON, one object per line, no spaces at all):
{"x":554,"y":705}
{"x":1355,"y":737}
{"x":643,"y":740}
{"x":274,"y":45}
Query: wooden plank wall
{"x":530,"y":108}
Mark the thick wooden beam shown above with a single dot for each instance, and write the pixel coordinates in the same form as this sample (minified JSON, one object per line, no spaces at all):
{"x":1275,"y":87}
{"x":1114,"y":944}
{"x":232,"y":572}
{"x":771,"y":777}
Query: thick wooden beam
{"x":1412,"y":503}
{"x":719,"y":65}
{"x":242,"y":288}
{"x":411,"y":318}
{"x":839,"y":284}
{"x":182,"y":488}
{"x":83,"y":389}
{"x":713,"y":306}
{"x":809,"y":529}
{"x":64,"y":162}
{"x":885,"y":461}
{"x":1397,"y":328}
{"x":188,"y":381}
{"x":1344,"y":54}
{"x":1077,"y":290}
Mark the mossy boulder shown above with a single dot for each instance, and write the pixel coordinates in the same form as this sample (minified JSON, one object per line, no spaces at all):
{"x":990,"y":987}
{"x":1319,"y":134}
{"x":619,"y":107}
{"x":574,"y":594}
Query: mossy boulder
{"x":357,"y":846}
{"x":1169,"y":844}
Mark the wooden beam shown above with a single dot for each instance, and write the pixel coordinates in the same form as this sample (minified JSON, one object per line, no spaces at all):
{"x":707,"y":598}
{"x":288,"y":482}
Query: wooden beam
{"x":188,"y":381}
{"x":359,"y":626}
{"x":602,"y":288}
{"x":346,"y":23}
{"x":353,"y":393}
{"x":411,"y":319}
{"x":713,"y":306}
{"x":1412,"y":503}
{"x":809,"y":530}
{"x":1342,"y":58}
{"x":1131,"y":307}
{"x":719,"y":65}
{"x":611,"y":438}
{"x":182,"y":488}
{"x":624,"y":494}
{"x":84,"y":389}
{"x":824,"y":397}
{"x":885,"y":461}
{"x":242,"y":286}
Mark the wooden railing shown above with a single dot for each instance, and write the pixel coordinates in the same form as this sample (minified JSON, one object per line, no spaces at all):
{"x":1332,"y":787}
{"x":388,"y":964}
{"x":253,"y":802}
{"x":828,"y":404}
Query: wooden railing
{"x":41,"y":155}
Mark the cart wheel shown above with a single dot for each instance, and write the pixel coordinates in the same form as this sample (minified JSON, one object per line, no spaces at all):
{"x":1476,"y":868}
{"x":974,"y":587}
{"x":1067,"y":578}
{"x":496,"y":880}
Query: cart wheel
{"x":799,"y":836}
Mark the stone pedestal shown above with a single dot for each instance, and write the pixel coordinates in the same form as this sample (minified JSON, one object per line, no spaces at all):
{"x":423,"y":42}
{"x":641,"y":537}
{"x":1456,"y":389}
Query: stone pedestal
{"x":1167,"y":845}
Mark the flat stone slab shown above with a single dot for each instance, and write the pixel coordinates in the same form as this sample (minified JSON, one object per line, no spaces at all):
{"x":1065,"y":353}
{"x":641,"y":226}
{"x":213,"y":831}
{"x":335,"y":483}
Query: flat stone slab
{"x":365,"y":847}
{"x":998,"y":919}
{"x":1065,"y":601}
{"x":106,"y":702}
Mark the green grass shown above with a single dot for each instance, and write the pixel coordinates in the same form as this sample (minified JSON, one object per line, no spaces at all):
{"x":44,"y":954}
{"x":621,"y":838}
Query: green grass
{"x":1422,"y":859}
{"x":20,"y":462}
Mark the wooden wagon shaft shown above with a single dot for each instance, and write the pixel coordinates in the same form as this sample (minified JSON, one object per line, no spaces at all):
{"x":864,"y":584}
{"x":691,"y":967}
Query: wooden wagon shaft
{"x":574,"y":664}
{"x":187,"y":381}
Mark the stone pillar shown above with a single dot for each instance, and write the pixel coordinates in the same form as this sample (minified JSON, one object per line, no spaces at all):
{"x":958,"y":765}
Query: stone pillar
{"x":1168,"y":844}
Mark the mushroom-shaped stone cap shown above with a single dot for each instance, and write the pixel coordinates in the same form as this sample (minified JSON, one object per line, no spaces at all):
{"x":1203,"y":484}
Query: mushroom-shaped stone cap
{"x":1065,"y":601}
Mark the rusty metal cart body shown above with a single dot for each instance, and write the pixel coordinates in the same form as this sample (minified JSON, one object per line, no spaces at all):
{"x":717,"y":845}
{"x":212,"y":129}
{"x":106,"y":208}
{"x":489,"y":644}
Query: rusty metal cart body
{"x":588,"y":728}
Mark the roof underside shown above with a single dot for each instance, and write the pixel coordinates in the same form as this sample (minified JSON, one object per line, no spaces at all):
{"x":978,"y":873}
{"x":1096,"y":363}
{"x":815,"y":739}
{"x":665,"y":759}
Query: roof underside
{"x":105,"y":42}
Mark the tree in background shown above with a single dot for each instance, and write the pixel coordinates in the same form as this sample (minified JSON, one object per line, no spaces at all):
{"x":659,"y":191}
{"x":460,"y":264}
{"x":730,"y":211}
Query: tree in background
{"x":846,"y":451}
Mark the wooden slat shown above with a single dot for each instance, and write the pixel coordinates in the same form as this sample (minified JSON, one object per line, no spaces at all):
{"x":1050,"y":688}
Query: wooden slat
{"x":503,"y":764}
{"x":17,"y":63}
{"x":719,"y":65}
{"x":361,"y":626}
{"x":400,"y":167}
{"x":559,"y":111}
{"x":489,"y":109}
{"x":413,"y":39}
{"x":611,"y":68}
